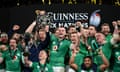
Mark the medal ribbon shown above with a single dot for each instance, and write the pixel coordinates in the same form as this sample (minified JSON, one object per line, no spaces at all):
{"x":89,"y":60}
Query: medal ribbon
{"x":42,"y":69}
{"x":12,"y":55}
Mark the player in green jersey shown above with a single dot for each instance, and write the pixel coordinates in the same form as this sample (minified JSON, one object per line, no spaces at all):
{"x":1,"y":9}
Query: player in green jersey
{"x":116,"y":47}
{"x":101,"y":43}
{"x":83,"y":44}
{"x":74,"y":53}
{"x":86,"y":63}
{"x":12,"y":57}
{"x":58,"y":48}
{"x":3,"y":49}
{"x":76,"y":60}
{"x":40,"y":66}
{"x":92,"y":32}
{"x":105,"y":29}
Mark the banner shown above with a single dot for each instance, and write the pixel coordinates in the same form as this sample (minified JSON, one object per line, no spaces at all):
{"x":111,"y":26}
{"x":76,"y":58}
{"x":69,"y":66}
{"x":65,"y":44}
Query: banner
{"x":68,"y":19}
{"x":63,"y":15}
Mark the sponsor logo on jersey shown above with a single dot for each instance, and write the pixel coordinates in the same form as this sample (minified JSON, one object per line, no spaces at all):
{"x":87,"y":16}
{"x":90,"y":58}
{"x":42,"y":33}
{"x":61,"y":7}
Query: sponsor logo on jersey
{"x":118,"y":58}
{"x":38,"y":67}
{"x":53,"y":42}
{"x":61,"y":43}
{"x":55,"y":47}
{"x":117,"y":53}
{"x":46,"y":69}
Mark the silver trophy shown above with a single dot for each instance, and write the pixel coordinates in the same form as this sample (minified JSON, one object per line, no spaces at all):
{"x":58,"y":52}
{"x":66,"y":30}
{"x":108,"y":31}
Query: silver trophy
{"x":42,"y":19}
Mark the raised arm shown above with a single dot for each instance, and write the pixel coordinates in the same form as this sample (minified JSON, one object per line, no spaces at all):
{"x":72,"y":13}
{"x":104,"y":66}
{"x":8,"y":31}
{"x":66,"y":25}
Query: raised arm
{"x":115,"y":34}
{"x":105,"y":61}
{"x":72,"y":60}
{"x":2,"y":49}
{"x":31,"y":27}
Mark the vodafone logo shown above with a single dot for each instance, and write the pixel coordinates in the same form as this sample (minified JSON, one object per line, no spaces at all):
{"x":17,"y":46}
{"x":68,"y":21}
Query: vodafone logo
{"x":95,"y":18}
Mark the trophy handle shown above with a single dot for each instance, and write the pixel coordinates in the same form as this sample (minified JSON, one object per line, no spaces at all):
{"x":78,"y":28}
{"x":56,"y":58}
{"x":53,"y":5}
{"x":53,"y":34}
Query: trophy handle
{"x":37,"y":12}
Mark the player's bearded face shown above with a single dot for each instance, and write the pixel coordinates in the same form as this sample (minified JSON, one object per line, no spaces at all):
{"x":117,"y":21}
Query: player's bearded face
{"x":85,"y":33}
{"x":74,"y":38}
{"x":62,"y":32}
{"x":16,"y":36}
{"x":92,"y":31}
{"x":13,"y":43}
{"x":105,"y":29}
{"x":99,"y":37}
{"x":42,"y":35}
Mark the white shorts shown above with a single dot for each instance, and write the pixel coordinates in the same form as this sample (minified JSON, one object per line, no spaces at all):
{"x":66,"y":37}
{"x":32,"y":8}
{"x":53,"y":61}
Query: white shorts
{"x":8,"y":71}
{"x":69,"y":69}
{"x":58,"y":69}
{"x":2,"y":70}
{"x":12,"y":71}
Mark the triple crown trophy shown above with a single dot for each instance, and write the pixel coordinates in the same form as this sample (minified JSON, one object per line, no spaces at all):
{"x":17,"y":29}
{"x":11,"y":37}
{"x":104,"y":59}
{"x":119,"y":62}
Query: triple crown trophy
{"x":42,"y":19}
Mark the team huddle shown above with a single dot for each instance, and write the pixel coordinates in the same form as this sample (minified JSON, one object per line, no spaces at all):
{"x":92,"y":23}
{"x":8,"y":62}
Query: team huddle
{"x":75,"y":49}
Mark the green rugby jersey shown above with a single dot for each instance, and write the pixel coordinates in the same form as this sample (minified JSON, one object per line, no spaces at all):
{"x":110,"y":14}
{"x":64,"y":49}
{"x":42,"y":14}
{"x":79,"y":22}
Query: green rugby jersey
{"x":106,"y":49}
{"x":78,"y":59}
{"x":108,"y":37}
{"x":90,"y":39}
{"x":37,"y":67}
{"x":58,"y":50}
{"x":116,"y":55}
{"x":2,"y":65}
{"x":12,"y":60}
{"x":83,"y":48}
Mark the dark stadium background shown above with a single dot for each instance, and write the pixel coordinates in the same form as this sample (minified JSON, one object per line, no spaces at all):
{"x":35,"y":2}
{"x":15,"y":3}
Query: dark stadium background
{"x":24,"y":14}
